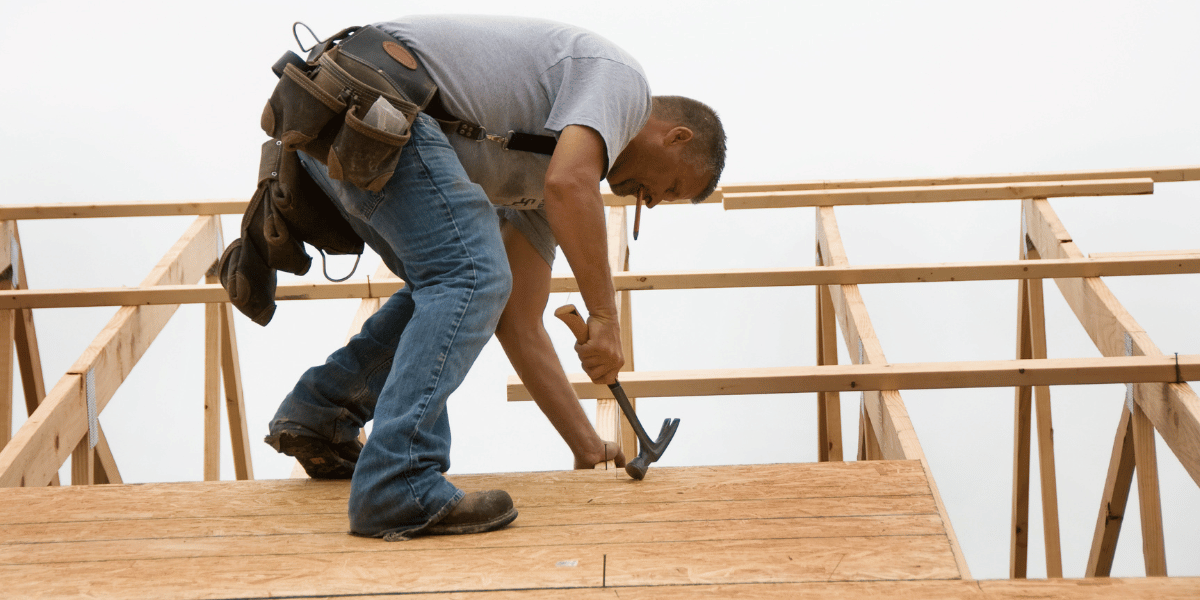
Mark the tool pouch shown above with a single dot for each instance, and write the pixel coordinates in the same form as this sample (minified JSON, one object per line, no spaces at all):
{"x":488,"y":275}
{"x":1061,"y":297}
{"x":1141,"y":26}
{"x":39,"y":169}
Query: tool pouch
{"x":298,"y":110}
{"x":322,"y":106}
{"x":283,"y":250}
{"x":243,"y":269}
{"x":364,"y":155}
{"x":308,"y":213}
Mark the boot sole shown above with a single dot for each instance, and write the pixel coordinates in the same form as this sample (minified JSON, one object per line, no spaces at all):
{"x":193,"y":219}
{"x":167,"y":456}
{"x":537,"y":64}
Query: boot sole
{"x":466,"y":528}
{"x":318,"y":459}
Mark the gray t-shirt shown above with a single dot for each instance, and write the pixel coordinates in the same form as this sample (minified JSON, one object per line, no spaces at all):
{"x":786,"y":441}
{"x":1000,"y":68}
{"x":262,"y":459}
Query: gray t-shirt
{"x":529,"y":76}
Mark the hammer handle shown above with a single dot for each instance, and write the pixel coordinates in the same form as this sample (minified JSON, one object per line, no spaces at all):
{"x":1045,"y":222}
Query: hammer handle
{"x":567,"y":314}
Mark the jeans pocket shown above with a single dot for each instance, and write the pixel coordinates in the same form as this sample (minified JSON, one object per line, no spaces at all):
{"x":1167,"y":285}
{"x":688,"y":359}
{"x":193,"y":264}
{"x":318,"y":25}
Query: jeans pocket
{"x":365,"y":155}
{"x":298,"y":110}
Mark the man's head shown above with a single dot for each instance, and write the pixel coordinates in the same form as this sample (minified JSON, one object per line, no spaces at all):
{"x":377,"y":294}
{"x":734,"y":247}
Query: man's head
{"x":678,"y":154}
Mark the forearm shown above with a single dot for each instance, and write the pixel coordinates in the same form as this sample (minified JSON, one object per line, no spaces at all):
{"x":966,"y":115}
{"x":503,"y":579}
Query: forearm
{"x":576,"y":216}
{"x":536,"y":363}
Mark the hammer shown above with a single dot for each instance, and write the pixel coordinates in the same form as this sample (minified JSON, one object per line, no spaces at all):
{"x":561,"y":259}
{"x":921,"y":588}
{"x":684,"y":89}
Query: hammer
{"x":651,"y":450}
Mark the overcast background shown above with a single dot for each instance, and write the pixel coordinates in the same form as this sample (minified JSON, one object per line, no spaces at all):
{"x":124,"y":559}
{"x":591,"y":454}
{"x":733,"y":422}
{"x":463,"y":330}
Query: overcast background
{"x":142,"y":101}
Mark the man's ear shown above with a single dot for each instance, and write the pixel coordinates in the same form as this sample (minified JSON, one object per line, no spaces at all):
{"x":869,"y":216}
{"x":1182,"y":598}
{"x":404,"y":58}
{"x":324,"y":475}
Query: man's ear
{"x":678,"y":135}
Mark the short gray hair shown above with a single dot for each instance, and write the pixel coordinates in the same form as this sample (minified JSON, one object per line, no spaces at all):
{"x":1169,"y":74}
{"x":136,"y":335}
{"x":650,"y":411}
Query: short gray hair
{"x":708,"y":153}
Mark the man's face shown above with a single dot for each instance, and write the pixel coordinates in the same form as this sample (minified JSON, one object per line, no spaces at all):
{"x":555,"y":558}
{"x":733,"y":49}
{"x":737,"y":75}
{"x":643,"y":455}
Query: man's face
{"x":660,"y":173}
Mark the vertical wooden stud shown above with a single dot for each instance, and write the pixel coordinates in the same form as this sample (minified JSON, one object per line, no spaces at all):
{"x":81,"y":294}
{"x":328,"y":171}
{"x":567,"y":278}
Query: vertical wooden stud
{"x":1149,"y":502}
{"x":1112,"y":504}
{"x":829,"y":404}
{"x":83,"y":464}
{"x":628,"y":436}
{"x":1019,"y":531}
{"x":235,"y":406}
{"x":1045,"y":430}
{"x":7,"y":326}
{"x":212,"y":386}
{"x":610,"y":423}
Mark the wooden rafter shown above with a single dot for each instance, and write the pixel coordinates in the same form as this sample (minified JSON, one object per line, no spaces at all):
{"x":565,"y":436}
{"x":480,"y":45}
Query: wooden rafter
{"x":888,"y":417}
{"x":1170,"y":407}
{"x":51,"y":433}
{"x":1173,"y":408}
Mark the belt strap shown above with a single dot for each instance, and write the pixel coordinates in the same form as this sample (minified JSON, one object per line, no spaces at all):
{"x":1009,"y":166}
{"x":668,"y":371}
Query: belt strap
{"x":364,"y":44}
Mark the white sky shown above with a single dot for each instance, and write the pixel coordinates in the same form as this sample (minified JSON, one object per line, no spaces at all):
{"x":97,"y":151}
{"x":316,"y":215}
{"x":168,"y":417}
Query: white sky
{"x":120,"y":101}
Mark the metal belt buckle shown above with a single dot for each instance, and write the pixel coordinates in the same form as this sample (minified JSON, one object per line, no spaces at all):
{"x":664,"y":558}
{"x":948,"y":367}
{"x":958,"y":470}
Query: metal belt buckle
{"x":502,"y":140}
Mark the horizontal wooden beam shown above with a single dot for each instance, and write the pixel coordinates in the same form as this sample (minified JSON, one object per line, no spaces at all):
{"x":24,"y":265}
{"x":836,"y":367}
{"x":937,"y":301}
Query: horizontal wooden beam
{"x":894,"y":376}
{"x":1159,"y":175}
{"x":84,"y":210}
{"x":941,"y":193}
{"x":229,"y":207}
{"x":121,"y":209}
{"x":1109,"y":266}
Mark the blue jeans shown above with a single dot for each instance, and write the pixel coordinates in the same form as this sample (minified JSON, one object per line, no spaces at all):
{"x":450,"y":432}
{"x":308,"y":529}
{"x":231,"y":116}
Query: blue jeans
{"x":437,"y":231}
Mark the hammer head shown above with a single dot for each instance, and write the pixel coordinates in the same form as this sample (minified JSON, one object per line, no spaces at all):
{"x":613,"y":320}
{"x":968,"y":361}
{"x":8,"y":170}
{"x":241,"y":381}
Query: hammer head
{"x":636,"y":468}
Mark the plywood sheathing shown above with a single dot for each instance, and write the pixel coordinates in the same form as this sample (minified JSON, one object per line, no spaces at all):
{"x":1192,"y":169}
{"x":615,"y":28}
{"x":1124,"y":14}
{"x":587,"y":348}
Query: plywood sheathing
{"x":696,"y":526}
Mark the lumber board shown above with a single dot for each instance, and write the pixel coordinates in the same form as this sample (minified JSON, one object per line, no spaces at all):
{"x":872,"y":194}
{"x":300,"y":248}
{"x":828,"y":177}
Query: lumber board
{"x":1045,"y":437}
{"x":167,"y":208}
{"x":1180,"y":588}
{"x":577,"y":529}
{"x":1173,"y":408}
{"x":1149,"y":503}
{"x":469,"y":569}
{"x":556,"y":488}
{"x":84,"y":210}
{"x":720,"y":528}
{"x":829,"y":404}
{"x":1113,"y":501}
{"x":1018,"y":535}
{"x":618,"y":262}
{"x":883,"y":411}
{"x":1158,"y":174}
{"x":235,"y":398}
{"x":891,"y":376}
{"x":212,"y":388}
{"x":1168,"y":263}
{"x":330,"y":517}
{"x":48,"y":436}
{"x":940,"y":193}
{"x":80,"y":210}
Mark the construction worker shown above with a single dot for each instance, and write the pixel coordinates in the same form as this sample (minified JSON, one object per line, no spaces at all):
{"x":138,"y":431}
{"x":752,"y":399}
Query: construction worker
{"x":471,"y":227}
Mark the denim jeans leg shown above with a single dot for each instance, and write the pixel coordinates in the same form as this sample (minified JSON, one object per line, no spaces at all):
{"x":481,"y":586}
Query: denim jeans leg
{"x":334,"y":400}
{"x":440,"y":233}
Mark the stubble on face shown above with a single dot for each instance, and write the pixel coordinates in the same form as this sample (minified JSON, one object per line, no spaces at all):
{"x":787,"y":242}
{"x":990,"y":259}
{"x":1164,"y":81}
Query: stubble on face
{"x":629,"y":187}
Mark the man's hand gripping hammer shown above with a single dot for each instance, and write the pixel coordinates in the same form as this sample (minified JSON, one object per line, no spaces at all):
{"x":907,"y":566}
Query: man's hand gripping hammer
{"x":650,"y":450}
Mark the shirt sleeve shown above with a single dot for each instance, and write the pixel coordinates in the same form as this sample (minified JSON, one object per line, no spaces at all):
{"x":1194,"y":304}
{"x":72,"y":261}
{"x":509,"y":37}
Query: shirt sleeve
{"x":611,"y":97}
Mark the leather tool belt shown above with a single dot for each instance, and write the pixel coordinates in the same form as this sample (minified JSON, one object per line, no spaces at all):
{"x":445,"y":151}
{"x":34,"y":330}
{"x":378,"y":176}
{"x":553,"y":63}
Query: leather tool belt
{"x":349,"y":105}
{"x":324,"y":106}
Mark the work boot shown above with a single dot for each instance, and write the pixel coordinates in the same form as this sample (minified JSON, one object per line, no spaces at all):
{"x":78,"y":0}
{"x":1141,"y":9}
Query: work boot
{"x":477,"y":512}
{"x":321,"y":459}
